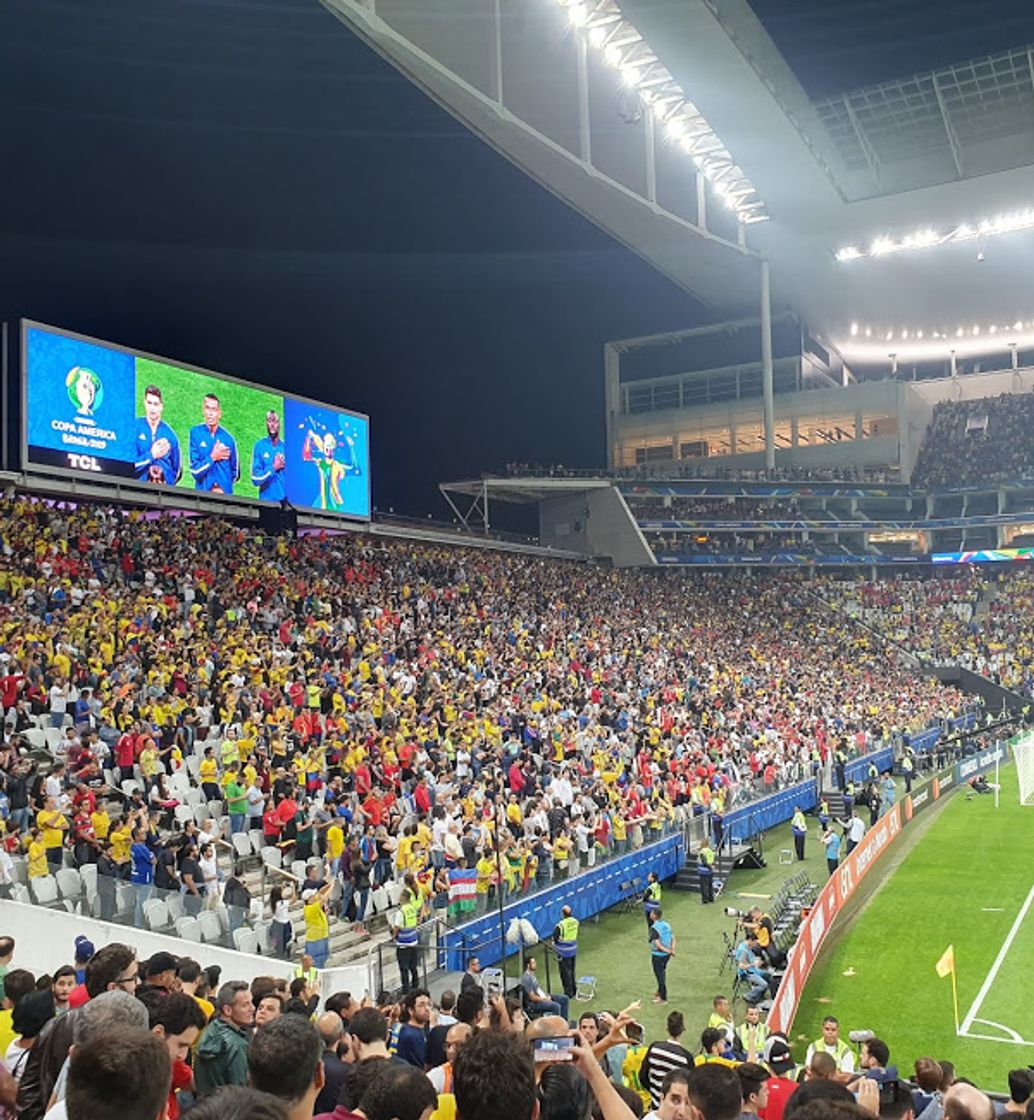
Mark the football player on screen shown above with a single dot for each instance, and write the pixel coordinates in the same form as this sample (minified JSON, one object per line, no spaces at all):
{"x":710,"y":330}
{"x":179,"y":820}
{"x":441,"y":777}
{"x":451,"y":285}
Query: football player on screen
{"x":157,"y":445}
{"x":213,"y":451}
{"x":268,"y":461}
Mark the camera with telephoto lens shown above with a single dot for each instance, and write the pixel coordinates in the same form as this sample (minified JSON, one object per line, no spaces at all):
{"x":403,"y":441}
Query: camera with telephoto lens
{"x":732,"y":912}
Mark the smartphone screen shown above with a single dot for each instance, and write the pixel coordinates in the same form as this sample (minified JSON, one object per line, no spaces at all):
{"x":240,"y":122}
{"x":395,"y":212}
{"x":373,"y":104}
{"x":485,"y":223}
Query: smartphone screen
{"x":557,"y":1049}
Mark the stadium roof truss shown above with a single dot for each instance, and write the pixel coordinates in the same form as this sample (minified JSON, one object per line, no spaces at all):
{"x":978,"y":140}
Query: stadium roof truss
{"x":659,"y":122}
{"x":969,"y":119}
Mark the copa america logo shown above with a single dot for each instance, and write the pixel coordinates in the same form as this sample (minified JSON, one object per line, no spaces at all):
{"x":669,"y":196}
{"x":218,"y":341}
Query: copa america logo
{"x":85,"y":390}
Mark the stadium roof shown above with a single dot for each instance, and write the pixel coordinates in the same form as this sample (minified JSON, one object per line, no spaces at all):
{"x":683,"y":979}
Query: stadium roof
{"x":582,"y":94}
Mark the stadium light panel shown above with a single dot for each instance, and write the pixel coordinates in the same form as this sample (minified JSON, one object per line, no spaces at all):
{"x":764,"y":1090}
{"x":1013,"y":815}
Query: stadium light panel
{"x":622,"y":48}
{"x":929,"y":238}
{"x":913,"y":344}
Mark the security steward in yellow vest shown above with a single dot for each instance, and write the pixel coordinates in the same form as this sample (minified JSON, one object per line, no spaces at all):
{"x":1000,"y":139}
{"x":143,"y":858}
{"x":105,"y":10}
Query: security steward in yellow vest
{"x":565,"y":945}
{"x":705,"y":872}
{"x":652,"y":898}
{"x":799,"y":828}
{"x":406,"y":946}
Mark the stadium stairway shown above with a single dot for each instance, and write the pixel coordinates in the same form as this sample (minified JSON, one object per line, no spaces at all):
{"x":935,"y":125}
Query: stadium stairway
{"x":346,"y":946}
{"x":732,"y":855}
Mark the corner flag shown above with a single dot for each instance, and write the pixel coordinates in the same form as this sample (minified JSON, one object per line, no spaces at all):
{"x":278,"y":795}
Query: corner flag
{"x":947,"y":962}
{"x":946,"y":966}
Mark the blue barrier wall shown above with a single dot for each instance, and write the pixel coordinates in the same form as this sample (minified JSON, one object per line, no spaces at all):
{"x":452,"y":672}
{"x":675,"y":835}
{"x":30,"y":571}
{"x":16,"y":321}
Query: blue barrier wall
{"x":858,"y":770}
{"x":978,"y":763}
{"x":927,"y":740}
{"x":586,"y":894}
{"x":761,"y":815}
{"x":589,"y":894}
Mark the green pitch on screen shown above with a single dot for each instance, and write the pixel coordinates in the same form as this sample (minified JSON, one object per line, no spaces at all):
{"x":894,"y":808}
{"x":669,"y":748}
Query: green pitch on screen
{"x":244,"y":412}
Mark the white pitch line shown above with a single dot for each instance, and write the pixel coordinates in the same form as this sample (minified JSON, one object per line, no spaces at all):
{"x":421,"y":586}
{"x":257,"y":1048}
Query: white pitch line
{"x":1002,"y":953}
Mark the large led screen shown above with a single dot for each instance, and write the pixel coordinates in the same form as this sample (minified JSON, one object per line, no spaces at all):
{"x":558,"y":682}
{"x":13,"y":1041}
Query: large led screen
{"x":92,"y":408}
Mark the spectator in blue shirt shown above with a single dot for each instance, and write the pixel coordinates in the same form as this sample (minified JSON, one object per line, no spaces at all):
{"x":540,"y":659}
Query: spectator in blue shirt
{"x":412,"y":1041}
{"x":268,"y":460}
{"x":213,"y":451}
{"x":831,"y":840}
{"x":142,"y":876}
{"x":157,"y":445}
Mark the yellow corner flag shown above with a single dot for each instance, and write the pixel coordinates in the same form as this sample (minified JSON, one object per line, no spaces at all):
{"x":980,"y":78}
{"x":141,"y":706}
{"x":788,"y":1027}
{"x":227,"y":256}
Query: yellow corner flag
{"x":947,"y":962}
{"x":946,"y":966}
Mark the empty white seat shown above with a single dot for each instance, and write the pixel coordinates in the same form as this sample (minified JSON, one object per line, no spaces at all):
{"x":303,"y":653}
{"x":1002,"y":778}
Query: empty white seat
{"x":245,"y":940}
{"x":257,"y":838}
{"x":241,"y":844}
{"x":20,"y":870}
{"x":125,"y":898}
{"x":379,"y":899}
{"x":195,"y":796}
{"x":174,"y":907}
{"x":88,"y":874}
{"x":44,"y":889}
{"x":272,"y":856}
{"x":298,"y":868}
{"x":156,"y":914}
{"x":188,"y":929}
{"x":37,"y":740}
{"x":130,"y":786}
{"x":215,"y":808}
{"x":52,"y":736}
{"x":69,"y":883}
{"x":210,"y":926}
{"x":20,"y":893}
{"x":183,"y":814}
{"x":394,"y":892}
{"x":201,"y":813}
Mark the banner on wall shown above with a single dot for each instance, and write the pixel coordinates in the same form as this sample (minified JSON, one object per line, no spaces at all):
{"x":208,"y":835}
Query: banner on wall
{"x":93,"y":409}
{"x":856,"y":866}
{"x":834,"y":895}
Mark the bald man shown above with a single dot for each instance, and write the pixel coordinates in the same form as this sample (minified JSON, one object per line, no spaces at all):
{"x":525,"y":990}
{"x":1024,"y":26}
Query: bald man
{"x":456,"y":1037}
{"x":966,"y":1102}
{"x":332,"y":1031}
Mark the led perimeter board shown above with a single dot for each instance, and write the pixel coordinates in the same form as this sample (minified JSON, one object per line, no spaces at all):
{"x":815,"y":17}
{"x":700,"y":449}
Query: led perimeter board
{"x":93,"y":409}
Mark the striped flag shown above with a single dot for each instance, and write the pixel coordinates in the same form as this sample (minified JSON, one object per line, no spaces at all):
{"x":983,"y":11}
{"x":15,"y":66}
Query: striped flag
{"x":462,"y":889}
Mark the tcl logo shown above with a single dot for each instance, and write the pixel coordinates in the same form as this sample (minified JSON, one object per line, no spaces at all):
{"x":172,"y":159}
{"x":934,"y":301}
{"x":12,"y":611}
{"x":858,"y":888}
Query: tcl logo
{"x":84,"y":462}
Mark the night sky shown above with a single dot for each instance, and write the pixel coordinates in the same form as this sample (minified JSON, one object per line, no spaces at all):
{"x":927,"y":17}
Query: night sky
{"x":245,"y":186}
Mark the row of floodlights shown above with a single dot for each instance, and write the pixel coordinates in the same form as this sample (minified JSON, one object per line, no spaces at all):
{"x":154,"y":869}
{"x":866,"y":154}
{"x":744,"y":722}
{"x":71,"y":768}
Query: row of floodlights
{"x":623,"y":48}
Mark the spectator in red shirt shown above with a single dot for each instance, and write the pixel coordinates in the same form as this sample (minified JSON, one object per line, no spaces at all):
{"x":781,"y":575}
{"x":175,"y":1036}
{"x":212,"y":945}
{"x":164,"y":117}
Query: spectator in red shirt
{"x":780,"y":1087}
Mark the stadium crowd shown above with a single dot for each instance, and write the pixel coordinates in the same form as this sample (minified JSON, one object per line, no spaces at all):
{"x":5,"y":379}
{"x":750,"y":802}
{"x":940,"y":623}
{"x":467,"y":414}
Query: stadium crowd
{"x":400,"y":708}
{"x":115,"y":1038}
{"x":702,"y":469}
{"x":714,"y":509}
{"x":977,"y":441}
{"x":938,"y":619}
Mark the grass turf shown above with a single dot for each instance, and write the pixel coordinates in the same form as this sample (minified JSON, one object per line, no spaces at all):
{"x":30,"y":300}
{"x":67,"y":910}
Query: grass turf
{"x":963,"y":883}
{"x":931,"y":890}
{"x":615,"y":949}
{"x":244,"y":412}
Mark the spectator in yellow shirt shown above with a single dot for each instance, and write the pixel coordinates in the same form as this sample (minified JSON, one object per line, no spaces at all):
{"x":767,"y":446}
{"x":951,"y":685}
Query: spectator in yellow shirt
{"x":335,"y":846}
{"x":101,"y":822}
{"x":52,"y":826}
{"x":121,"y":841}
{"x":38,"y":866}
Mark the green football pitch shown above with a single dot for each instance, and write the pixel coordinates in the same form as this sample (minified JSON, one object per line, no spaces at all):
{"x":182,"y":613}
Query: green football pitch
{"x":961,"y":874}
{"x":968,"y":882}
